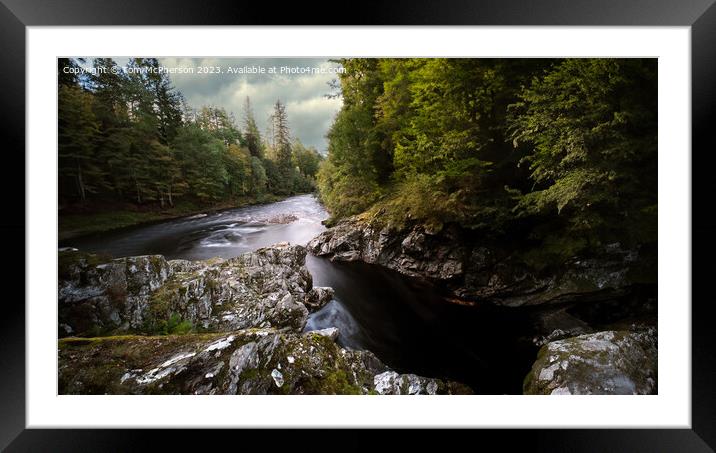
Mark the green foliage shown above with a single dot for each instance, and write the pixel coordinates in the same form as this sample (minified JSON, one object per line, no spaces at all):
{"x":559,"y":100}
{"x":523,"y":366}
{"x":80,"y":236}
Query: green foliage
{"x":238,"y":168}
{"x":553,"y":248}
{"x":259,"y":180}
{"x":78,"y":131}
{"x":345,"y":193}
{"x":335,"y":382}
{"x":129,"y":137}
{"x":160,"y":319}
{"x":560,"y":150}
{"x":306,"y":160}
{"x":173,"y":325}
{"x":359,"y":158}
{"x":252,"y":136}
{"x":202,"y":158}
{"x":219,"y":124}
{"x":177,"y":326}
{"x":281,"y":151}
{"x":417,"y":198}
{"x":592,"y":125}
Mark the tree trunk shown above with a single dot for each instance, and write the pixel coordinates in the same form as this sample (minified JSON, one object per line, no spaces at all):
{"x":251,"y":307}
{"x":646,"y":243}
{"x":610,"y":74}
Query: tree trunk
{"x":139,"y":193}
{"x":80,"y":183}
{"x":169,"y":194}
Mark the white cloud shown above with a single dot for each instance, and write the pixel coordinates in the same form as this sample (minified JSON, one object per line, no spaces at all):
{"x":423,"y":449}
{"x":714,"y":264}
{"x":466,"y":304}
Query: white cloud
{"x":309,"y":112}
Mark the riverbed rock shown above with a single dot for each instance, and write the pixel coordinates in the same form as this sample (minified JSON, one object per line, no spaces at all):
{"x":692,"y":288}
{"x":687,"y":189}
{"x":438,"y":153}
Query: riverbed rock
{"x":250,"y":361}
{"x":602,"y":363}
{"x":317,"y":297}
{"x":265,"y":288}
{"x":474,"y":270}
{"x":280,"y":219}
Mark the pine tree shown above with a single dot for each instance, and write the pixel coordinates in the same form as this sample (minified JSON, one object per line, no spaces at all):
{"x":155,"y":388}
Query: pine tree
{"x":78,"y":129}
{"x":282,"y":148}
{"x":219,"y":124}
{"x":251,"y":131}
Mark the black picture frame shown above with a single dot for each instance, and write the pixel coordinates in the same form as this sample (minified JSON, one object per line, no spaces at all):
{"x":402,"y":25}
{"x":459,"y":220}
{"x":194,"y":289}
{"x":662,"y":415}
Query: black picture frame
{"x":700,"y":15}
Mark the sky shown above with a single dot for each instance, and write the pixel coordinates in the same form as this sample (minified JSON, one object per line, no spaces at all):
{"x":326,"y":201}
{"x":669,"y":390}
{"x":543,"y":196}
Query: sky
{"x":310,"y":113}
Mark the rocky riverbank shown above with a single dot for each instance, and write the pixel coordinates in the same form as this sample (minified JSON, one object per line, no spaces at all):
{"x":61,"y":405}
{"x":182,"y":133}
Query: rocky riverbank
{"x":143,"y":324}
{"x":476,"y":271}
{"x":593,"y":317}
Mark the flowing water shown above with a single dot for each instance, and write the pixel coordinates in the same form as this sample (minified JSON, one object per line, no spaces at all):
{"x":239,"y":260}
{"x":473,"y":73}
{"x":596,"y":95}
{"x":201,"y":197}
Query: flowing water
{"x":405,"y":322}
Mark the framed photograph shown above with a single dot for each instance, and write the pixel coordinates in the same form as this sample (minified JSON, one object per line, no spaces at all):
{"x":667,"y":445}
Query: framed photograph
{"x":472,"y":217}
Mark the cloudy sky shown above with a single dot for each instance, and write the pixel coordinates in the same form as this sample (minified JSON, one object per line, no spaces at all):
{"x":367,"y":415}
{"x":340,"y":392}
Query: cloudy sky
{"x":310,"y":113}
{"x":303,"y":90}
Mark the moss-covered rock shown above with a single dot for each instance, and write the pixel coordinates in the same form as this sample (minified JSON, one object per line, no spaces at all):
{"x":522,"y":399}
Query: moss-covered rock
{"x":608,"y":362}
{"x":249,"y":361}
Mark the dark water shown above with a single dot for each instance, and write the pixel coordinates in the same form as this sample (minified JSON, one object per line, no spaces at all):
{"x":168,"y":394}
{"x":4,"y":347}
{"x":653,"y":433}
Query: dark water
{"x":404,"y":321}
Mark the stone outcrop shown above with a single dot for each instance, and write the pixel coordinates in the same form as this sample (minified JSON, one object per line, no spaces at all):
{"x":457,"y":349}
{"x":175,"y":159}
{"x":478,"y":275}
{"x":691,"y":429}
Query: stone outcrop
{"x":266,"y":288}
{"x":479,"y":272}
{"x":249,"y":361}
{"x":608,"y":362}
{"x":244,"y":317}
{"x":415,"y":252}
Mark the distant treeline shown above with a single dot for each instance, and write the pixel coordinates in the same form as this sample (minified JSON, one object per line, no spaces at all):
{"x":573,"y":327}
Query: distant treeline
{"x":559,"y":152}
{"x":129,"y":136}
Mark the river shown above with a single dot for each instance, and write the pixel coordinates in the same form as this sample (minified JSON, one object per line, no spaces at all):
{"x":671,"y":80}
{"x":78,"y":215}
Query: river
{"x":404,"y":321}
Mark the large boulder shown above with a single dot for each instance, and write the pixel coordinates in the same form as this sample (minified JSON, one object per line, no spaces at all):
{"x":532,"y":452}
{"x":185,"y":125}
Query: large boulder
{"x":476,"y":270}
{"x":265,"y":288}
{"x":250,"y":361}
{"x":608,"y":362}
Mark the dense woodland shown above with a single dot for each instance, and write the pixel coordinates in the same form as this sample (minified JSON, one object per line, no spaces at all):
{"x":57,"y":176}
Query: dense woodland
{"x":557,"y":153}
{"x":560,"y":154}
{"x":129,"y":137}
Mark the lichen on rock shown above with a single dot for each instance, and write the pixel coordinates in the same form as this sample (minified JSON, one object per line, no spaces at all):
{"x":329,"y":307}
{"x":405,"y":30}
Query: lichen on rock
{"x":266,"y":288}
{"x":607,"y":362}
{"x":249,"y":361}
